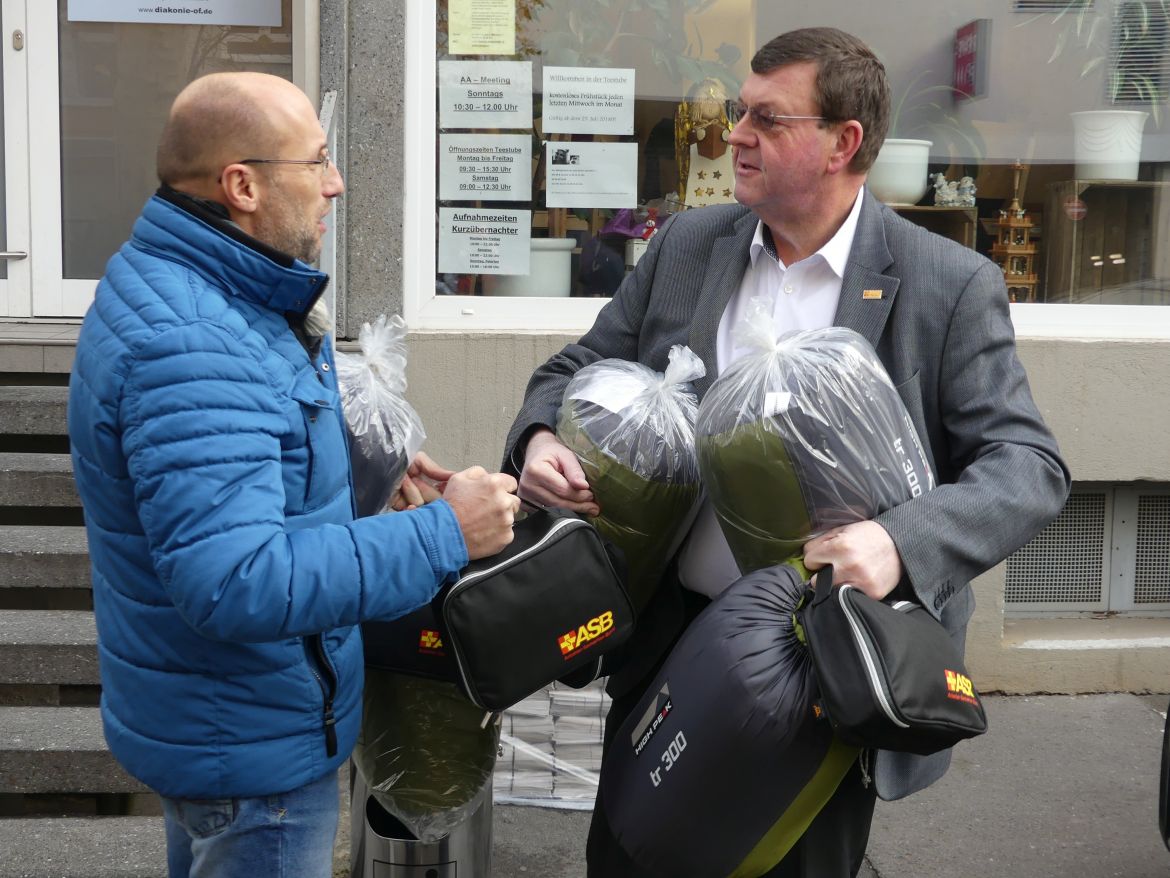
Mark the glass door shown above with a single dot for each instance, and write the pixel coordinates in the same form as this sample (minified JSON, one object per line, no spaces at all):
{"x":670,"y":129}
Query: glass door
{"x":81,"y":127}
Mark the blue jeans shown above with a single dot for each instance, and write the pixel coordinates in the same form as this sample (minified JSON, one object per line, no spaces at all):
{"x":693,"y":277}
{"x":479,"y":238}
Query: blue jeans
{"x":289,"y":835}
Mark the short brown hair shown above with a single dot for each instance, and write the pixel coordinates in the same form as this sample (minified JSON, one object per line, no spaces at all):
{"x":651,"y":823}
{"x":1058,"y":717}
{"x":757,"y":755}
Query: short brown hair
{"x":851,"y":82}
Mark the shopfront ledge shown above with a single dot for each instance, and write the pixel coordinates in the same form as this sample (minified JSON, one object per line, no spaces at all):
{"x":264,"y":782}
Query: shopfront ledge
{"x":1084,"y":634}
{"x":1071,"y":655}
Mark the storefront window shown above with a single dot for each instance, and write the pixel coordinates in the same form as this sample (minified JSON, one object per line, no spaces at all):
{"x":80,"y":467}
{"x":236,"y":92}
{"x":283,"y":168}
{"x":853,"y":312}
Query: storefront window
{"x":567,"y":129}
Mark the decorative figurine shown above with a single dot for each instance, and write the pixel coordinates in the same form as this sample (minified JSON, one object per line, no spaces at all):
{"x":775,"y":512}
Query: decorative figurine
{"x":945,"y":194}
{"x":966,"y":192}
{"x":701,"y":131}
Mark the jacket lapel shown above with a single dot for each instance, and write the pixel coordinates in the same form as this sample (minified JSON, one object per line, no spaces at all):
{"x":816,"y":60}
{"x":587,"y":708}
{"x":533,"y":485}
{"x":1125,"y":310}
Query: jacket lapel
{"x":728,"y":261}
{"x":867,"y":293}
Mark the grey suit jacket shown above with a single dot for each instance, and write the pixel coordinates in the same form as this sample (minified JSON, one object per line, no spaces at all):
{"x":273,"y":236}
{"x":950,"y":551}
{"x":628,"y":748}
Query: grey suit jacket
{"x":942,"y":329}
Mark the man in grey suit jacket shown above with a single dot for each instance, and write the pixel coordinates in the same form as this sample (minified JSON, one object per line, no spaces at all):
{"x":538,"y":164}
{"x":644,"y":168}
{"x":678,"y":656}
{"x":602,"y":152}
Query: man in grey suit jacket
{"x":811,"y":118}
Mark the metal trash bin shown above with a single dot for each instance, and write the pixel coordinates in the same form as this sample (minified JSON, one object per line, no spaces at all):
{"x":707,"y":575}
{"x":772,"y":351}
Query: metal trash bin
{"x":381,"y":847}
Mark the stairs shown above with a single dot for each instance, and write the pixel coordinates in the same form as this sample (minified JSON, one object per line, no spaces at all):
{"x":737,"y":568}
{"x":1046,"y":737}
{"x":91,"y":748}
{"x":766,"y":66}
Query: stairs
{"x":66,"y":807}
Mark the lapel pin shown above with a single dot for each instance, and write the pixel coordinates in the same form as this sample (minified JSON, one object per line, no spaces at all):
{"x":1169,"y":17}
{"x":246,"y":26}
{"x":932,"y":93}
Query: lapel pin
{"x":871,"y":294}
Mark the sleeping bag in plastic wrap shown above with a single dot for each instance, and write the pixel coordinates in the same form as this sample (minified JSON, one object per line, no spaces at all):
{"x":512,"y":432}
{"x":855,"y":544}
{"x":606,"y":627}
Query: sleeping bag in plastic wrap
{"x":424,"y":752}
{"x":633,"y":430}
{"x":725,"y":763}
{"x":803,"y":434}
{"x":384,"y":430}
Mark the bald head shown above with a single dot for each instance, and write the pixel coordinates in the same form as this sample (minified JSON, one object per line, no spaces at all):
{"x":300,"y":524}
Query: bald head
{"x":222,"y":118}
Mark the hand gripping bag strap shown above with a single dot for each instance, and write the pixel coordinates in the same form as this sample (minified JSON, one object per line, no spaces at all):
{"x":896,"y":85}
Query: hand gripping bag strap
{"x":549,"y":605}
{"x":890,"y":676}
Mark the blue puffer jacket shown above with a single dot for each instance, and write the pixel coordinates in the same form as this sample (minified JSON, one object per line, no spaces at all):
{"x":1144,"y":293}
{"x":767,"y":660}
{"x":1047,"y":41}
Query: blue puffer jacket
{"x":210,"y":455}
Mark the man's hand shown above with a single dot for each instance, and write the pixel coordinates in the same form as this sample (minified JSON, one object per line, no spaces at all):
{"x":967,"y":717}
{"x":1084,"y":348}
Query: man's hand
{"x":485,"y":505}
{"x":862,"y":554}
{"x":423,"y":483}
{"x":553,"y":476}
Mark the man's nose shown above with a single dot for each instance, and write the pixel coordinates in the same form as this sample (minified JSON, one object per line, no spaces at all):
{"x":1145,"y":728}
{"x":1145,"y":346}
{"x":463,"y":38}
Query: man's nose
{"x":334,"y":184}
{"x":742,"y":133}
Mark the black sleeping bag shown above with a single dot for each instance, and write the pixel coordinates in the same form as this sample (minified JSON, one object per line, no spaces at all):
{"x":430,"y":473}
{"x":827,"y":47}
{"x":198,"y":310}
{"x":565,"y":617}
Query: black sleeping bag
{"x":725,"y":762}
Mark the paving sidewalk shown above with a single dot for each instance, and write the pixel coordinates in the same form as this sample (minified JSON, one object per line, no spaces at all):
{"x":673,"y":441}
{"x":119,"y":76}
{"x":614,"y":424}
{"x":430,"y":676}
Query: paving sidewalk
{"x":1060,"y":787}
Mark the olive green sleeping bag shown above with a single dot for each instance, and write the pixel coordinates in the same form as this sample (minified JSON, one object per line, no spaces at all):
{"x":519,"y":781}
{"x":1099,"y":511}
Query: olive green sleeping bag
{"x":632,"y":430}
{"x":802,"y":436}
{"x":423,"y":751}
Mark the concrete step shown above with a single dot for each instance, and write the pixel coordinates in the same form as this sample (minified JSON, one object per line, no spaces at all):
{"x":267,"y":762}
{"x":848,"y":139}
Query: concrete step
{"x":48,"y":647}
{"x":28,"y":479}
{"x":98,"y":847}
{"x":33,"y":411}
{"x":43,"y":557}
{"x":58,"y":750}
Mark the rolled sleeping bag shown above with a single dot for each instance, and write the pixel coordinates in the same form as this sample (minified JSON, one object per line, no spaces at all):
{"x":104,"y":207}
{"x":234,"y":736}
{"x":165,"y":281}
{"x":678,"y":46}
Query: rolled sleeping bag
{"x":385,"y":432}
{"x":632,"y":430}
{"x":726,"y":760}
{"x":424,"y":751}
{"x":802,"y":436}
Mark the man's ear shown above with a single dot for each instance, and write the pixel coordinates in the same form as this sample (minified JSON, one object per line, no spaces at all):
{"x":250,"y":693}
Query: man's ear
{"x":240,"y":186}
{"x":849,"y":138}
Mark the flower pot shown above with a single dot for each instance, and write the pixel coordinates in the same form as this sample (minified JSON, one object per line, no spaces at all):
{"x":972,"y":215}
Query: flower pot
{"x":1108,"y":143}
{"x":549,"y":271}
{"x":898,"y":176}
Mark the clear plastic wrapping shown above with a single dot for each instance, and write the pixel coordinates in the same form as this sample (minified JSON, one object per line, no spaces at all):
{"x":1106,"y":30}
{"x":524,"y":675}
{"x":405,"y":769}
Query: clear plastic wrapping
{"x":803,"y":434}
{"x":424,"y":751}
{"x":633,"y":431}
{"x":385,"y":431}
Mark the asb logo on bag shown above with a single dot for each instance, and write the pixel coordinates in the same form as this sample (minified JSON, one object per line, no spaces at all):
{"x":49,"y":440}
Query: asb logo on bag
{"x":584,"y":636}
{"x":960,"y":687}
{"x":430,"y":642}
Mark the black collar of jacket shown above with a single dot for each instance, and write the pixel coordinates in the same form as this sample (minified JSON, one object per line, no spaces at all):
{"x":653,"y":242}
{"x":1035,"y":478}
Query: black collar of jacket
{"x":216,"y":215}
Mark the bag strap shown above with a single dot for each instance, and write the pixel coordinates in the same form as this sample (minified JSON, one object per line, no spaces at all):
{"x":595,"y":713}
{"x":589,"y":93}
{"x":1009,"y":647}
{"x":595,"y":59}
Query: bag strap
{"x":822,"y":584}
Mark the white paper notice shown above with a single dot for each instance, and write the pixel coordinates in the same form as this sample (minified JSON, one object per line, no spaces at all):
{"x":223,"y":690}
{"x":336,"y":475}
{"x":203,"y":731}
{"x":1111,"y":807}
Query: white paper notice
{"x":253,"y":13}
{"x":481,"y":27}
{"x":485,"y":94}
{"x":592,"y":174}
{"x":484,"y":241}
{"x":491,"y":167}
{"x":588,"y":100}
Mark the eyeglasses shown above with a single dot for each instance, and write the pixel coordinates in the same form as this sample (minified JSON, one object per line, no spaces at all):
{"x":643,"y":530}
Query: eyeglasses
{"x":324,"y":161}
{"x":761,"y":120}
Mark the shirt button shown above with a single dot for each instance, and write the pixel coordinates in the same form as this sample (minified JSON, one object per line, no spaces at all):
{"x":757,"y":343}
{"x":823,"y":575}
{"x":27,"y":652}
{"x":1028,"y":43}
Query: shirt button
{"x":788,"y":288}
{"x":324,"y":367}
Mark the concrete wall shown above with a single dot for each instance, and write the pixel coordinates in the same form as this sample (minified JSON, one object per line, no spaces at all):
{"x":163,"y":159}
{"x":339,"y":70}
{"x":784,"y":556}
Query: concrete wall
{"x":1107,"y":401}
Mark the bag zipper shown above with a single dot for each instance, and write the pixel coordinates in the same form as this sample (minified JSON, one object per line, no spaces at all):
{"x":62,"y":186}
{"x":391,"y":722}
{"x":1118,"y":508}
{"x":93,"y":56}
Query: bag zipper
{"x":875,"y":681}
{"x":555,"y":529}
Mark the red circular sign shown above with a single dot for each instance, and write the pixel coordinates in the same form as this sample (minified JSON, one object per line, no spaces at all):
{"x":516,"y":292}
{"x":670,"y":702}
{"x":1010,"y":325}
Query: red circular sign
{"x":1074,"y":208}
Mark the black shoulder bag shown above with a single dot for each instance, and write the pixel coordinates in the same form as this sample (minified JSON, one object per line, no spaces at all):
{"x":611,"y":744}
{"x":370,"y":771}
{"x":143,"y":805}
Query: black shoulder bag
{"x":890,"y":676}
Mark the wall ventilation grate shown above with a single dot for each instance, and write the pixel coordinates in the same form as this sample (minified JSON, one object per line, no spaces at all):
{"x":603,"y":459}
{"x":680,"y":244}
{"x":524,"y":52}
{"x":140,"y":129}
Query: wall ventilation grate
{"x":1151,"y":583}
{"x":1063,"y":564}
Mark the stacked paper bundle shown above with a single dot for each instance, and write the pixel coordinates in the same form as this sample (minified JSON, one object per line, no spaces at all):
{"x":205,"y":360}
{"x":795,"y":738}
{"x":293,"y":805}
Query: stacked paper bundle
{"x":550,"y":748}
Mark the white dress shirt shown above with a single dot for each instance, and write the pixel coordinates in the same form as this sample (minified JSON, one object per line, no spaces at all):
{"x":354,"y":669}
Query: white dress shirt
{"x":804,"y":296}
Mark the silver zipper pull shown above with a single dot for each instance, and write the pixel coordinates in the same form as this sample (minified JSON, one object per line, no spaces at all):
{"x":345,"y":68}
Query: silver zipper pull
{"x":863,"y":764}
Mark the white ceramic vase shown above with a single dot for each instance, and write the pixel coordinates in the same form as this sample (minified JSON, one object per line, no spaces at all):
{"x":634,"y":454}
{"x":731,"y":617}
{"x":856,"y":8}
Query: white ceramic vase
{"x":1107,"y":144}
{"x":898,"y":176}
